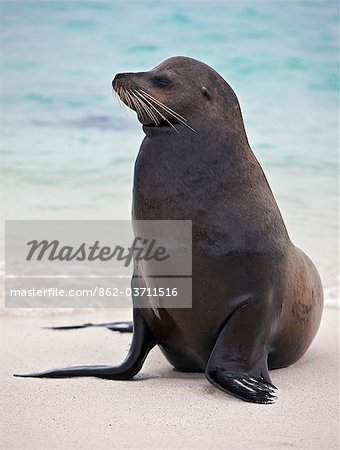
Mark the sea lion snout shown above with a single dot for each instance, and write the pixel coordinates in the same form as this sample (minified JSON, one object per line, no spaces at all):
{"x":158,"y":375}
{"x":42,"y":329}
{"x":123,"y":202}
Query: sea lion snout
{"x":121,"y":77}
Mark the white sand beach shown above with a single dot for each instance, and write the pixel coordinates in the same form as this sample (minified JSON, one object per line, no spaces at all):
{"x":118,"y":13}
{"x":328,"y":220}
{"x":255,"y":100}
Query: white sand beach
{"x":161,"y":408}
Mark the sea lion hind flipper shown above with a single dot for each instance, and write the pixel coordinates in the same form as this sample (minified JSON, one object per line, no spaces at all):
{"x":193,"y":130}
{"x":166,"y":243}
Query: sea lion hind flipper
{"x":249,"y":389}
{"x":238,"y":362}
{"x":122,"y":327}
{"x":142,"y":342}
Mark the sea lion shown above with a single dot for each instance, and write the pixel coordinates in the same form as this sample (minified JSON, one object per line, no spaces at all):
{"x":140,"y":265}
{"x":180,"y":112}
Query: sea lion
{"x":257,"y":299}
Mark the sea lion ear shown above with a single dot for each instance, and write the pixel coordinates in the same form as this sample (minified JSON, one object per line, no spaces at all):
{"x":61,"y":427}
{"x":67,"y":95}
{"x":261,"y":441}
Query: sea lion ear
{"x":206,"y":93}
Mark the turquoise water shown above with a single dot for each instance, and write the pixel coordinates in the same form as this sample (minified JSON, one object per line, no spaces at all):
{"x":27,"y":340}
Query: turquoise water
{"x":68,"y":149}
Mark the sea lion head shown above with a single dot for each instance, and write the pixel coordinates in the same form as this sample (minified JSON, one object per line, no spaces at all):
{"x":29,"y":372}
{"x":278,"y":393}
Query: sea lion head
{"x":180,"y":94}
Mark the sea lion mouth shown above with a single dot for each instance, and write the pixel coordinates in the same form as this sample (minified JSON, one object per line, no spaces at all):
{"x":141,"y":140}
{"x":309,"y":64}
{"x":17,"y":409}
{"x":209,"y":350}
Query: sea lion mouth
{"x":151,"y":112}
{"x":161,"y":124}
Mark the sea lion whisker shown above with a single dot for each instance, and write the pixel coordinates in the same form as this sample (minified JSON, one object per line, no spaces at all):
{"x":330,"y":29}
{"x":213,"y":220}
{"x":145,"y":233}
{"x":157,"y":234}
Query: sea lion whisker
{"x":114,"y":93}
{"x":177,"y":116}
{"x":128,"y":100}
{"x":151,"y":115}
{"x":148,"y":106}
{"x":136,"y":105}
{"x":154,"y":107}
{"x":122,"y":95}
{"x":165,"y":106}
{"x":151,"y":106}
{"x":170,"y":111}
{"x":139,"y":107}
{"x":125,"y":96}
{"x":159,"y":104}
{"x":118,"y":96}
{"x":147,"y":112}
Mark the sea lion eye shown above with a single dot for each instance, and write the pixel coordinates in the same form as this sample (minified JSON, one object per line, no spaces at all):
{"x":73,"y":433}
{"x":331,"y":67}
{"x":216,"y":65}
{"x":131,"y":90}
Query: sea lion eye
{"x":162,"y":80}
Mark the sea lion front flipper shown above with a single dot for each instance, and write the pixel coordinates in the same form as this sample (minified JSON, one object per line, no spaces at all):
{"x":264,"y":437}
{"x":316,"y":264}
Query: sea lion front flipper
{"x":238,"y":362}
{"x":122,"y":327}
{"x":142,"y":342}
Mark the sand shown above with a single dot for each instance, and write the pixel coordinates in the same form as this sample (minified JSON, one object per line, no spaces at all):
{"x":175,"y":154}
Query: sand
{"x":161,"y":408}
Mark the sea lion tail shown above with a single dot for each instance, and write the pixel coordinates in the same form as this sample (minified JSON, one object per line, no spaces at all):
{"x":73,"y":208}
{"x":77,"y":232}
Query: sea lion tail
{"x":122,"y":327}
{"x":142,"y":342}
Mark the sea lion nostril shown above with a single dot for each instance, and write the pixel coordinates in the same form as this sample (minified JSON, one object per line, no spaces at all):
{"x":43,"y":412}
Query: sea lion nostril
{"x":122,"y":77}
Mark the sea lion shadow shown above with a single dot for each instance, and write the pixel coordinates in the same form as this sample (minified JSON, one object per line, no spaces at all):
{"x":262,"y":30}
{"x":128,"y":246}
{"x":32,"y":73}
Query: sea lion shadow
{"x":171,"y":373}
